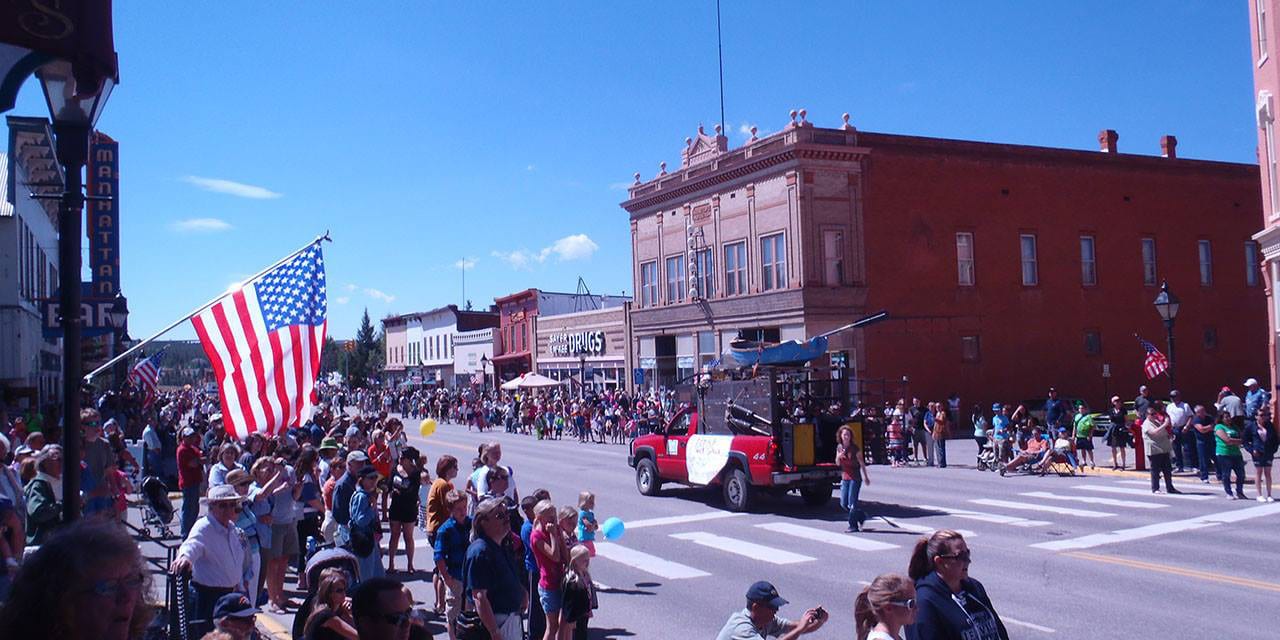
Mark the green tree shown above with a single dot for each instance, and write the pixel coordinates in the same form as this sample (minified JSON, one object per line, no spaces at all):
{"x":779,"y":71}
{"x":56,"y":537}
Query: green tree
{"x":330,"y":356}
{"x":366,"y":361}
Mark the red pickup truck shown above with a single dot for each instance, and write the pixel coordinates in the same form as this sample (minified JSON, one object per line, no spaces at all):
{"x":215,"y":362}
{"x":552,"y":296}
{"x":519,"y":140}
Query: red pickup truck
{"x":739,"y":435}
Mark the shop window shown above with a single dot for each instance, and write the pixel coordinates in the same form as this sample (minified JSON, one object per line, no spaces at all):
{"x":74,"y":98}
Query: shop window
{"x":964,"y":258}
{"x":773,"y":262}
{"x":675,"y":279}
{"x":735,"y":268}
{"x":1092,"y":343}
{"x":649,"y":284}
{"x":970,"y":349}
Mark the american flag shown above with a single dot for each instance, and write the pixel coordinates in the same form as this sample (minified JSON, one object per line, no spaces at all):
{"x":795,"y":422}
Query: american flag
{"x":264,"y":341}
{"x":146,"y":376}
{"x":1156,"y":363}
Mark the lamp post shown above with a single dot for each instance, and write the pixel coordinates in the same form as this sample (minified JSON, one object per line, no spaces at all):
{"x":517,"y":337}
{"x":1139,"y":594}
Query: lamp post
{"x":1167,"y":306}
{"x":74,"y":116}
{"x":582,"y":373}
{"x":118,"y":316}
{"x":484,"y":372}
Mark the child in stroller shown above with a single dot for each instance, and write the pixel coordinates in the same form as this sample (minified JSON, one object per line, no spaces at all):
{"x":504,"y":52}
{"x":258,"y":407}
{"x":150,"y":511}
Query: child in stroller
{"x":159,"y":513}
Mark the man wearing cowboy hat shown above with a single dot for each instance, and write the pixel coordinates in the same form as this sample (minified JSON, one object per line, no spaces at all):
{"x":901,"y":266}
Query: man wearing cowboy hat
{"x":214,"y":551}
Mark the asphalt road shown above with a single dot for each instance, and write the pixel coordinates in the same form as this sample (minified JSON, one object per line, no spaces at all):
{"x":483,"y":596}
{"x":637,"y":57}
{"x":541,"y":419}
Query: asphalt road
{"x":1061,"y":557}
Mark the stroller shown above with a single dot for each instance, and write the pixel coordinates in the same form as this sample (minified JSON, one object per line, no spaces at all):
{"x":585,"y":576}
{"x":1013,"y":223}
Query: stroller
{"x":987,"y":457}
{"x":159,"y":510}
{"x":321,"y":560}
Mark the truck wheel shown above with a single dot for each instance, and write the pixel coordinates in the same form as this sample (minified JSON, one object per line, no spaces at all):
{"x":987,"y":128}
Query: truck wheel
{"x":647,"y":481}
{"x":818,"y":495}
{"x":737,"y":490}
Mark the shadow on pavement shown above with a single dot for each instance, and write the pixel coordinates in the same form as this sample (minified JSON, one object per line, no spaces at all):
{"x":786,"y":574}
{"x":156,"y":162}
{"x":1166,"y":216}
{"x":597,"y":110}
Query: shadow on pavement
{"x":604,"y":634}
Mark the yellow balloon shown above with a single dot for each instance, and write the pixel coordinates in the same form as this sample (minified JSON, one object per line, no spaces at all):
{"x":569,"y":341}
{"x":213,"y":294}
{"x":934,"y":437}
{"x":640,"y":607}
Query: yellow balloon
{"x":427,"y":427}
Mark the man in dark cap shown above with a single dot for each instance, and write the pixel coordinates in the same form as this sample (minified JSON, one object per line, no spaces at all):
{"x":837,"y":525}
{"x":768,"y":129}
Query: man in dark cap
{"x":760,"y":619}
{"x":235,"y":616}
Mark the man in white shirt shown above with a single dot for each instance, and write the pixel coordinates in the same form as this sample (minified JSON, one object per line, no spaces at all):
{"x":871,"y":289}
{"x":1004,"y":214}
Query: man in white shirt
{"x":214,"y":551}
{"x":1180,"y":414}
{"x":760,"y":620}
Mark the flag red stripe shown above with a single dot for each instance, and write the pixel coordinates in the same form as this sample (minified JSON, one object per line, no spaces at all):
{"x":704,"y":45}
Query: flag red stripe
{"x":317,"y":347}
{"x":288,"y":415}
{"x":219,"y":371}
{"x":256,"y":361}
{"x":295,"y":357}
{"x":242,"y":392}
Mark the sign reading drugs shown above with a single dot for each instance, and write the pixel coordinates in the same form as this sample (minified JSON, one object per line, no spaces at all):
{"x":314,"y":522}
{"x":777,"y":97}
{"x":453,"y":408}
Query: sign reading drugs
{"x":104,"y":215}
{"x":579,"y":343}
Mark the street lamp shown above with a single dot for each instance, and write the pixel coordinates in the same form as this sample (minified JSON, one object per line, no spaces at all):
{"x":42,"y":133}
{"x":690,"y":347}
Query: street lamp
{"x":484,"y":372}
{"x":119,"y":313}
{"x":75,"y":111}
{"x":1167,"y":306}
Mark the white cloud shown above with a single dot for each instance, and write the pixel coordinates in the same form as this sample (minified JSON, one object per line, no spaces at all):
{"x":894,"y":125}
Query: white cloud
{"x":744,"y":130}
{"x":200,"y":225}
{"x":575,"y":247}
{"x":466,"y":264}
{"x":351,"y":287}
{"x":342,"y":299}
{"x":531,"y":167}
{"x":230,"y":187}
{"x":379,"y":295}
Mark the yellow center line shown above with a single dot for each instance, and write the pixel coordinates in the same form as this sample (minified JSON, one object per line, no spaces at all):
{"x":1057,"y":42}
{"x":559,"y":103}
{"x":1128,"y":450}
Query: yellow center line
{"x":1177,"y":571}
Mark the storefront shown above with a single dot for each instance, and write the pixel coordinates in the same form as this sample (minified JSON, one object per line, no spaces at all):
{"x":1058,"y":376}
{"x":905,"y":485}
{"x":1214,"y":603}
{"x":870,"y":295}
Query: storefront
{"x":597,"y":341}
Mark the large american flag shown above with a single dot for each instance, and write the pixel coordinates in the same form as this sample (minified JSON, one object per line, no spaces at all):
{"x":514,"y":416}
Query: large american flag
{"x":1156,"y":363}
{"x":146,"y":376}
{"x":264,"y":341}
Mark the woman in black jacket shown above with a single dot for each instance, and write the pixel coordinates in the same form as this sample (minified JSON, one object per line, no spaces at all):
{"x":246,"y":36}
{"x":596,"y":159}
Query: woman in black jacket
{"x":949,"y":604}
{"x":1262,"y":441}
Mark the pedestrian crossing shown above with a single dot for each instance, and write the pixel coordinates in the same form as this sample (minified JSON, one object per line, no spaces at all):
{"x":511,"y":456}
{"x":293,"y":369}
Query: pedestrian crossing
{"x":777,"y":542}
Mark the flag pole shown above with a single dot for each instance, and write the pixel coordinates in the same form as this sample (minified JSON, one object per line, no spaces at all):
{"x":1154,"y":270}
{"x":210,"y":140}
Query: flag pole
{"x":153,"y":337}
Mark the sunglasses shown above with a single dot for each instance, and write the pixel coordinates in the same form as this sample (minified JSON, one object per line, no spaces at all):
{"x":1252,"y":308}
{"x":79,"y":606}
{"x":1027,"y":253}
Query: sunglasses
{"x":112,"y":589}
{"x":909,"y":603}
{"x":963,"y":556}
{"x":397,"y":619}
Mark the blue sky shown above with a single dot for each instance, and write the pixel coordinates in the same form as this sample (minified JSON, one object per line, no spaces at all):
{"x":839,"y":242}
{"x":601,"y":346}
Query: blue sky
{"x":425,"y":135}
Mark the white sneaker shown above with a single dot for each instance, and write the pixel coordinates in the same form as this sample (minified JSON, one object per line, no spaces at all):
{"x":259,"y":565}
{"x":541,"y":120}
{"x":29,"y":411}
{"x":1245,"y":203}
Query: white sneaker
{"x":1270,"y":499}
{"x":1261,"y":499}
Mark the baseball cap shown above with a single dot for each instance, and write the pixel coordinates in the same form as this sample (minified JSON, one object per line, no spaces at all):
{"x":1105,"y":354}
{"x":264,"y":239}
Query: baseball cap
{"x":996,"y":407}
{"x":1052,"y":390}
{"x":234,"y":605}
{"x":357,"y":455}
{"x":1251,"y":382}
{"x":1226,"y":390}
{"x":188,"y":432}
{"x":764,"y":592}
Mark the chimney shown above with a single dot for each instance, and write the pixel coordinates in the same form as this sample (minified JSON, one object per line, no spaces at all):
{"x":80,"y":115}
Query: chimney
{"x":1169,"y":146}
{"x":1107,"y":140}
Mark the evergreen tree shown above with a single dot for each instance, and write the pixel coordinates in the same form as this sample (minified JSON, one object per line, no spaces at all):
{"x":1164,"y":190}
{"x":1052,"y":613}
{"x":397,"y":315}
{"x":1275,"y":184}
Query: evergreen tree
{"x":330,"y":357}
{"x":365,"y":362}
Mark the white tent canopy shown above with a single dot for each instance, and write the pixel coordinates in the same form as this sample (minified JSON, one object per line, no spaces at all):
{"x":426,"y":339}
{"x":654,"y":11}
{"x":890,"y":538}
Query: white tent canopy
{"x":530,"y":381}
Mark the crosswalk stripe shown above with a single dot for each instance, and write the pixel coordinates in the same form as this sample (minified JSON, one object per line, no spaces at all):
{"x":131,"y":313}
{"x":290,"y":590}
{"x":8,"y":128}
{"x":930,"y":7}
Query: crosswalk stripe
{"x":1144,"y":492}
{"x":986,"y":517}
{"x":751,"y":550}
{"x":1110,"y":502}
{"x":694,"y":517}
{"x":926,"y":530}
{"x":1159,"y":529}
{"x":1028,"y":506}
{"x":829,"y":537}
{"x":646,"y":562}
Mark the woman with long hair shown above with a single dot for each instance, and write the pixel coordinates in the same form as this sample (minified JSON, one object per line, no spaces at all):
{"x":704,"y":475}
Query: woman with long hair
{"x":404,"y":508}
{"x":885,"y":607}
{"x":950,"y":604}
{"x":331,"y":619}
{"x":307,"y":470}
{"x":86,"y":582}
{"x":853,"y":473}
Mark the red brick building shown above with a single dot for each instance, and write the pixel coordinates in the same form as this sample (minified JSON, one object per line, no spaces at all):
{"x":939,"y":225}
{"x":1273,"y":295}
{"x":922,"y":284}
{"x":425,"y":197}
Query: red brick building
{"x":1006,"y":268}
{"x":1266,"y":83}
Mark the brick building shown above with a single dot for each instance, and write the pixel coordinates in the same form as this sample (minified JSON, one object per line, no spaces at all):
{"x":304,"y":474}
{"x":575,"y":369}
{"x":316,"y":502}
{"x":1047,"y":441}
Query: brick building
{"x":515,"y":342}
{"x":1266,"y":82}
{"x":1006,"y":268}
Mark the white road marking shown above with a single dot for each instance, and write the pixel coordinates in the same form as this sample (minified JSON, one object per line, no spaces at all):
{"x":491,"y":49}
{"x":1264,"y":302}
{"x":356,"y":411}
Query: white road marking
{"x":1110,"y":502}
{"x":1139,"y":483}
{"x":1144,"y":492}
{"x":646,"y":562}
{"x":926,"y":530}
{"x":1028,"y":625}
{"x":1159,"y":529}
{"x":1027,"y":506}
{"x":751,"y":550}
{"x":693,"y":517}
{"x":846,"y":540}
{"x":986,"y":517}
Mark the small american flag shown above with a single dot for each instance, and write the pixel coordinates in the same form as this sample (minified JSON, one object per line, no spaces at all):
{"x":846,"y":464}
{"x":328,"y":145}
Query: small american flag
{"x":264,"y":341}
{"x":146,"y":376}
{"x":1156,"y":363}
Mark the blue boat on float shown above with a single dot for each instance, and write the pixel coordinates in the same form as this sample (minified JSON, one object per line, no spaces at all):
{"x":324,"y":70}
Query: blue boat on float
{"x":750,"y":353}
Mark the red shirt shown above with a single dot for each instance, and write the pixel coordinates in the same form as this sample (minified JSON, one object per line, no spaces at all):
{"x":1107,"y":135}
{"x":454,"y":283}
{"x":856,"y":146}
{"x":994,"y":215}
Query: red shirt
{"x":380,"y":456}
{"x":190,"y":466}
{"x":550,"y":571}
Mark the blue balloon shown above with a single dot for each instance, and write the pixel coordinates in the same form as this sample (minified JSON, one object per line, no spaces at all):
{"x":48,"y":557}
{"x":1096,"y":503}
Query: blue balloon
{"x":613,"y":528}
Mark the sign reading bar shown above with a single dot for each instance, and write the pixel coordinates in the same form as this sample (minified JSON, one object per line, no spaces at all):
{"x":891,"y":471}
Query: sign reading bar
{"x":95,"y":317}
{"x":580,"y":343}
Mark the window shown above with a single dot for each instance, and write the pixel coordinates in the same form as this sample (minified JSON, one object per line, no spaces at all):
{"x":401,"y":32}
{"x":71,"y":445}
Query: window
{"x":1262,"y":30}
{"x":1030,"y":269}
{"x":679,"y":426}
{"x":706,"y":347}
{"x":648,"y":284}
{"x":1267,"y":121}
{"x":964,"y":258}
{"x":773,"y":262}
{"x":1210,"y":337}
{"x":1206,"y":263}
{"x":970,"y":349}
{"x":1092,"y":343}
{"x":1088,"y":262}
{"x":705,"y":278}
{"x":1149,"y":262}
{"x":675,"y":279}
{"x":1251,"y":265}
{"x":735,"y":268}
{"x":833,"y":257}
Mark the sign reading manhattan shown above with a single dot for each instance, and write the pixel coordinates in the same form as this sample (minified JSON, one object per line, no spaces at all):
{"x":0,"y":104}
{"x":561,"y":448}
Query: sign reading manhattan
{"x":581,"y":343}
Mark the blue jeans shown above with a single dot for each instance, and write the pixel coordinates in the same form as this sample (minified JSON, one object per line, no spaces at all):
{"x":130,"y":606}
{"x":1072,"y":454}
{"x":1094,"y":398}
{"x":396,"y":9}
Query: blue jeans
{"x":941,"y":446}
{"x":1227,"y":464}
{"x":1205,"y":451}
{"x":190,"y":509}
{"x":849,"y":490}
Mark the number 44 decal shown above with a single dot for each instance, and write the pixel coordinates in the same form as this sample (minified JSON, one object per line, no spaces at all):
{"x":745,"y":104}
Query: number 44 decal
{"x":759,"y":457}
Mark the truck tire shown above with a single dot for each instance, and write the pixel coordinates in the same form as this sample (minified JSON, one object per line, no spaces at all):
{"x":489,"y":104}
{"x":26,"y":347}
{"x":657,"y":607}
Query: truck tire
{"x":647,"y":482}
{"x":737,"y":490}
{"x":817,"y":495}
